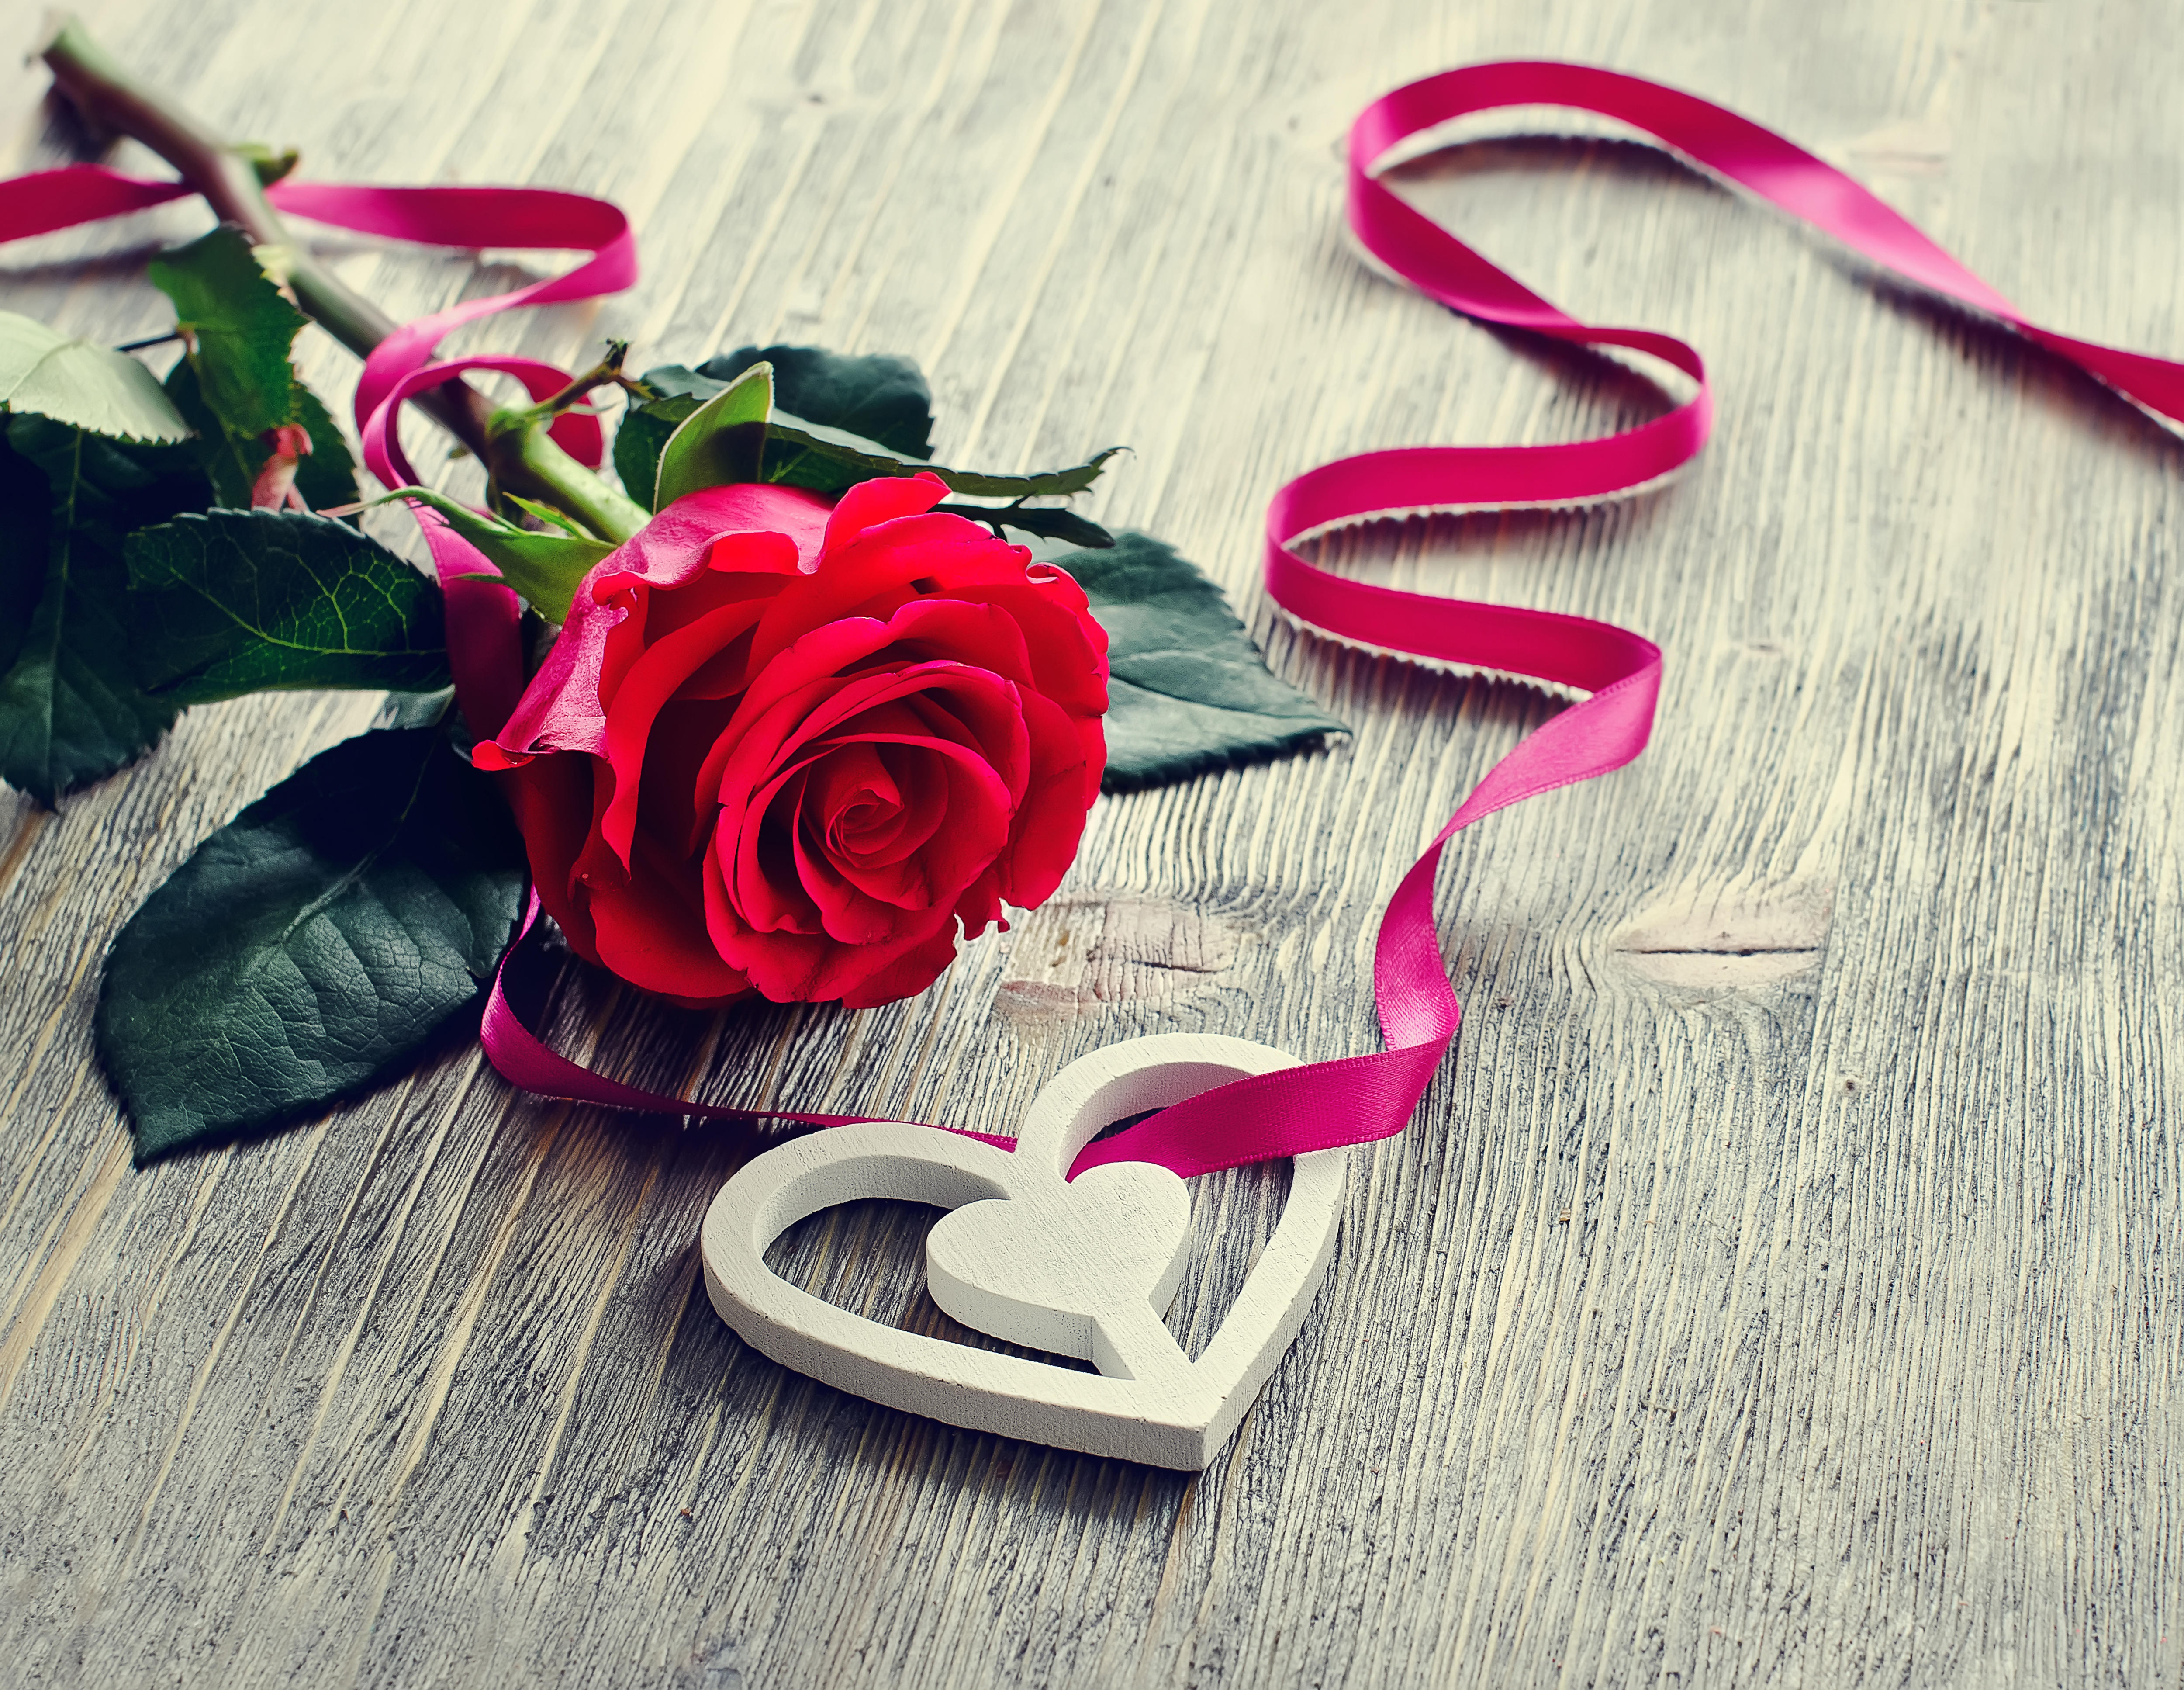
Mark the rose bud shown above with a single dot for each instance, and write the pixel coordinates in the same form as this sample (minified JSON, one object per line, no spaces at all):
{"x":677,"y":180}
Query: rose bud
{"x":788,"y":747}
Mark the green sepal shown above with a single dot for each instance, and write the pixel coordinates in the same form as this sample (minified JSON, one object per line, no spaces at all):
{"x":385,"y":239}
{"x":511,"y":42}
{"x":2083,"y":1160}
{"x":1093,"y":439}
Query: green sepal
{"x":720,"y":442}
{"x":877,"y":397}
{"x":815,"y":453}
{"x":544,"y":567}
{"x":315,"y":946}
{"x":230,"y":602}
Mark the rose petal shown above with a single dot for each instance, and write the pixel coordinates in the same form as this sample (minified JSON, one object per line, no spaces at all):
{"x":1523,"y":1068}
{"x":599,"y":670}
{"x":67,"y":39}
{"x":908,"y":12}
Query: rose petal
{"x":561,"y":710}
{"x":651,"y":929}
{"x":874,"y":575}
{"x":551,"y":799}
{"x":1049,"y":821}
{"x":767,"y":560}
{"x":871,"y":503}
{"x":854,"y":905}
{"x":903,"y":975}
{"x":678,"y":542}
{"x":652,"y":680}
{"x":797,"y":967}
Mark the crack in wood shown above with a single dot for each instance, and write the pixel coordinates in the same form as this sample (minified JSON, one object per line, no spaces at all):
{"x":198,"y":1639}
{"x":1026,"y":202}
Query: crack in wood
{"x":1730,"y":939}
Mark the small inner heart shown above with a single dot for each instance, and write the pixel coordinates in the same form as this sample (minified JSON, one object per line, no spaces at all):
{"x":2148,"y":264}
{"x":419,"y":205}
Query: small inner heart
{"x":1045,"y":1270}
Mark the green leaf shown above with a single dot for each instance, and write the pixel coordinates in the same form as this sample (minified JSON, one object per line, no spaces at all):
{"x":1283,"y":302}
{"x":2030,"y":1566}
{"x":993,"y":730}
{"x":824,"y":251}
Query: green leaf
{"x":314,"y":946}
{"x":814,"y":452}
{"x":806,"y":454}
{"x":720,"y":442}
{"x":81,"y":384}
{"x":70,"y":707}
{"x":639,"y":438}
{"x":238,"y":326}
{"x":230,"y":462}
{"x":243,"y":601}
{"x":881,"y":398}
{"x":327,"y":477}
{"x":1186,"y":690}
{"x":543,"y":567}
{"x":1044,"y":521}
{"x":25,"y":519}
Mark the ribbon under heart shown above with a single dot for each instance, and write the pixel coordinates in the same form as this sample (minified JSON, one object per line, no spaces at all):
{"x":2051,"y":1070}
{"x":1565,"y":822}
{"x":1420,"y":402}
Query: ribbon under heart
{"x":1319,"y":1105}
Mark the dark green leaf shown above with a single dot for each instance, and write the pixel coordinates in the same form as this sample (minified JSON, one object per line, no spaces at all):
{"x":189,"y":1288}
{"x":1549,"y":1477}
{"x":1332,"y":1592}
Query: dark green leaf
{"x":416,"y":709}
{"x":70,"y":707}
{"x":1186,"y":690}
{"x":327,"y":477}
{"x":826,"y":461}
{"x":1044,"y":521}
{"x":314,"y":946}
{"x":814,"y":452}
{"x":880,"y":398}
{"x":238,"y":325}
{"x":230,"y":462}
{"x":720,"y":442}
{"x":26,"y":515}
{"x":242,"y":601}
{"x":43,"y":373}
{"x":640,"y":438}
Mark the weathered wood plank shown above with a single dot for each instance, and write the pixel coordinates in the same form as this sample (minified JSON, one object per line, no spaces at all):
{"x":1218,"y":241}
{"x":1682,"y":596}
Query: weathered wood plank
{"x":1805,"y":1316}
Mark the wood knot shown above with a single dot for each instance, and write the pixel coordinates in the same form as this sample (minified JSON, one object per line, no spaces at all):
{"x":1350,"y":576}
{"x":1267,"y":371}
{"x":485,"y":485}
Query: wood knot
{"x":1730,"y":940}
{"x":1071,"y":955}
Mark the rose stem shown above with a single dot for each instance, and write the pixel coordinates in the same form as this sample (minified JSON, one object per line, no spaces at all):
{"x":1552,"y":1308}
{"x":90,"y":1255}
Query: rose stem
{"x":520,"y":458}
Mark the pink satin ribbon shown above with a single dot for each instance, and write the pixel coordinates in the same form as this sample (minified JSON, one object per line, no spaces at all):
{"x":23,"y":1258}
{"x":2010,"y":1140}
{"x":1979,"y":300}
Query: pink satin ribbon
{"x":1318,"y":1105}
{"x":474,"y":218}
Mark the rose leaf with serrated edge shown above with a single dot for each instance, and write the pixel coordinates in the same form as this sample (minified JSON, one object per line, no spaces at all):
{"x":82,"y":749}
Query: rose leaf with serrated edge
{"x":326,"y":477}
{"x":826,"y":460}
{"x":79,"y":382}
{"x":231,"y":602}
{"x":71,"y":709}
{"x":238,"y":326}
{"x":313,"y":947}
{"x":1042,"y":521}
{"x":1186,"y":690}
{"x":876,"y":397}
{"x":812,"y":452}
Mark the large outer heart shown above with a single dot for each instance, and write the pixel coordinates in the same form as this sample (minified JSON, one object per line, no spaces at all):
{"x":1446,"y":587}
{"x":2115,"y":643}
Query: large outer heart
{"x":1156,"y":1405}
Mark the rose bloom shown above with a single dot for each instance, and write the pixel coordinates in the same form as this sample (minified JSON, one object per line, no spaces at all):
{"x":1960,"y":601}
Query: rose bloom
{"x":788,"y":746}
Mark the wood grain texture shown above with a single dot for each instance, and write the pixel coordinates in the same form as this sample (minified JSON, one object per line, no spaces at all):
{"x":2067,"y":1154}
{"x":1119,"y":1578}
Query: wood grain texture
{"x":1779,"y":1285}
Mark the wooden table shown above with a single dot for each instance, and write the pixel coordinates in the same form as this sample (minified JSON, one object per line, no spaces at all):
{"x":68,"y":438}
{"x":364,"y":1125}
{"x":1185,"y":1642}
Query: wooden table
{"x":1780,"y":1283}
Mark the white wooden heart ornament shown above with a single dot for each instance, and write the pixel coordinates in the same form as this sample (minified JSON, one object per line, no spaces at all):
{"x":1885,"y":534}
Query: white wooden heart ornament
{"x":1083,"y":1268}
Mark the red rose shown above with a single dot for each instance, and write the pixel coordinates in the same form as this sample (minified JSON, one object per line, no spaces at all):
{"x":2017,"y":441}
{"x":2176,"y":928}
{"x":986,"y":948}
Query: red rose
{"x":788,"y":747}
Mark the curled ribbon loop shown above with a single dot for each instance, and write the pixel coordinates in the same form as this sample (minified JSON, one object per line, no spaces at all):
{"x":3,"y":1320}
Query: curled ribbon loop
{"x":383,"y":445}
{"x":1360,"y":1098}
{"x":530,"y":218}
{"x":476,"y":218}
